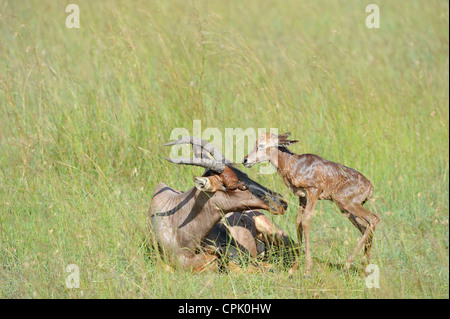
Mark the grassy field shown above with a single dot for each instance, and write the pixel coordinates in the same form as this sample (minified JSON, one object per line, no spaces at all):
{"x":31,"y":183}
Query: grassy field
{"x":84,"y":113}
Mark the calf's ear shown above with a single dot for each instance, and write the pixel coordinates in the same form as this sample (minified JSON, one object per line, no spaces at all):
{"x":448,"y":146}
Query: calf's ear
{"x":283,"y":141}
{"x":287,"y":142}
{"x":284,"y":136}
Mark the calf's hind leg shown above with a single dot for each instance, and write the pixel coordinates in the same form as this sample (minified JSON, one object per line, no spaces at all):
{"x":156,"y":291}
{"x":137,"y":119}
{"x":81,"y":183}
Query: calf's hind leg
{"x":366,"y":222}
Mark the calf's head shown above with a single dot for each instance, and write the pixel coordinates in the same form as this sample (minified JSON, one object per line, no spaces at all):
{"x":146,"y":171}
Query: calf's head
{"x":265,"y":148}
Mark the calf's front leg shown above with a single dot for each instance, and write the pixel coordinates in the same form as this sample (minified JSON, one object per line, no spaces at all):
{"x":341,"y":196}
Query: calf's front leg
{"x":305,"y":213}
{"x":302,"y":205}
{"x":308,"y":212}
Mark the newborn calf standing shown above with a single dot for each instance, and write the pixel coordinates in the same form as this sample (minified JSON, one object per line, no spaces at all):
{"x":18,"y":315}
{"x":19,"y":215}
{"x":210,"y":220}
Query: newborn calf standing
{"x":312,"y":178}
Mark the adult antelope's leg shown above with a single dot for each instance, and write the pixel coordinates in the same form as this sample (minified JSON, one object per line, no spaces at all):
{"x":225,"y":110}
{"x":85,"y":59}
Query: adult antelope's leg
{"x":197,"y":263}
{"x":268,"y":231}
{"x":371,"y":219}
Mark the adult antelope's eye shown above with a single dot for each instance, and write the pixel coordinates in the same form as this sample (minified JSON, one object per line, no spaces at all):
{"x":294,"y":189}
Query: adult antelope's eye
{"x":243,"y":188}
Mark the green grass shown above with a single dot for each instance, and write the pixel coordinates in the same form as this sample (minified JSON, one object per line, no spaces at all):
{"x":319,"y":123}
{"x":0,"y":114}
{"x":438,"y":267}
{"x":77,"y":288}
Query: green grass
{"x":84,"y":113}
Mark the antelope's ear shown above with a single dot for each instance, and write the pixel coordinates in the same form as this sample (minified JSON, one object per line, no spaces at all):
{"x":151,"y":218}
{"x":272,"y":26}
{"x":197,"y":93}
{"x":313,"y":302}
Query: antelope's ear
{"x":203,"y":184}
{"x":284,"y":136}
{"x":286,"y":142}
{"x":283,"y":141}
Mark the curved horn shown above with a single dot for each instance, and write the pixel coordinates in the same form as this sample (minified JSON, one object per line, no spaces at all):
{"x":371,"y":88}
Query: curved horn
{"x":196,"y":141}
{"x":205,"y":163}
{"x":201,"y":153}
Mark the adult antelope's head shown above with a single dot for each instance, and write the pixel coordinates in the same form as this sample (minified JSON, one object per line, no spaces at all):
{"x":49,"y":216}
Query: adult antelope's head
{"x":221,"y":177}
{"x":266,"y":147}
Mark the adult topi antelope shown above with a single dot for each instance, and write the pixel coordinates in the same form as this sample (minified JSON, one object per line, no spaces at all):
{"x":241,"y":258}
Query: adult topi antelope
{"x":313,"y":178}
{"x":182,"y":220}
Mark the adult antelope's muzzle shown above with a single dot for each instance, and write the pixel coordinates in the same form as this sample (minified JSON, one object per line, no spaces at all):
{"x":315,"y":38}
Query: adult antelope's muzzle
{"x":277,"y":205}
{"x":275,"y":201}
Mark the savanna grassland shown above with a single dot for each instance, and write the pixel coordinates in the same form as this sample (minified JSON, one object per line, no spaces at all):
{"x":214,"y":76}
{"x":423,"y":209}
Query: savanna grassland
{"x":84,"y":113}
